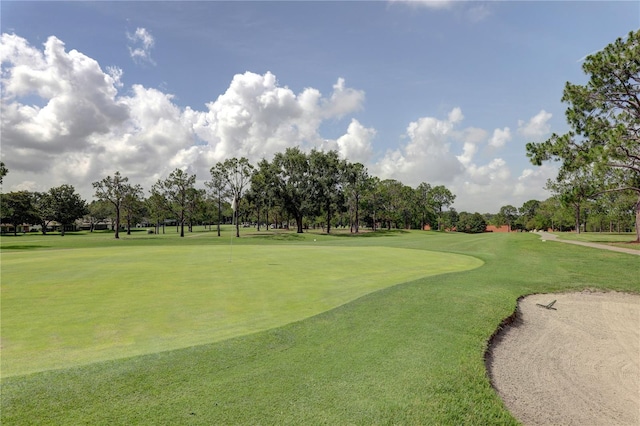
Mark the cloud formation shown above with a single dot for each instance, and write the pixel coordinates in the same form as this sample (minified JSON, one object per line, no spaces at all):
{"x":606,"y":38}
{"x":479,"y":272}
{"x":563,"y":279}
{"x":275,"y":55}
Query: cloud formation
{"x":433,"y":154}
{"x":431,"y":4}
{"x":500,"y":137}
{"x":66,"y":120}
{"x":142,"y":41}
{"x":537,"y":126}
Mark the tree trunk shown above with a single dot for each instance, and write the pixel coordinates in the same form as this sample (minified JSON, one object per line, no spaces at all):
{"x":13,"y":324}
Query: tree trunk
{"x":219,"y":210}
{"x":117,"y":236}
{"x":357,"y":217}
{"x":237,"y":224}
{"x":328,"y":218}
{"x":638,"y":220}
{"x":299,"y":223}
{"x":577,"y":210}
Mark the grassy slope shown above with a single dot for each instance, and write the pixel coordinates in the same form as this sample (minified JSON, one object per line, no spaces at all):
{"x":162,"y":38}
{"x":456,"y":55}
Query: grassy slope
{"x":410,"y":354}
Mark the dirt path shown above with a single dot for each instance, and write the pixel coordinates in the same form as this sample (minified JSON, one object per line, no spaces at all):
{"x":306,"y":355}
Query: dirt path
{"x":576,"y":365}
{"x":552,"y":237}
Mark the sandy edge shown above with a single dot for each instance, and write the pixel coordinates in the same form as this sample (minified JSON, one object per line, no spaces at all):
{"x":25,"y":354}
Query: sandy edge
{"x":577,"y":364}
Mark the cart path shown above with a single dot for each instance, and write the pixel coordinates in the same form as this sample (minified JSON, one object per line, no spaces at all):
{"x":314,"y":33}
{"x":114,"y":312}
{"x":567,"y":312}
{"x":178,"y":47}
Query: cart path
{"x":552,"y":237}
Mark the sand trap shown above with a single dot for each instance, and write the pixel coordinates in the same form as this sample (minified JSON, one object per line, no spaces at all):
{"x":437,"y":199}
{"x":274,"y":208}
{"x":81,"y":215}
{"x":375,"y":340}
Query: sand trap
{"x":577,"y":365}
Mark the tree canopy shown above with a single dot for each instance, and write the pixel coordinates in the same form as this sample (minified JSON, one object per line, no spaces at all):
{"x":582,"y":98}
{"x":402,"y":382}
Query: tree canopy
{"x":113,"y":189}
{"x":3,"y":171}
{"x":604,"y":116}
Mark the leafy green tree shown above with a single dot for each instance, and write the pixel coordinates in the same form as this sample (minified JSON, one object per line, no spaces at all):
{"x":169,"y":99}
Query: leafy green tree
{"x":471,"y":223}
{"x":113,"y":189}
{"x":156,"y":206}
{"x":132,"y":205}
{"x":326,"y":175}
{"x":196,"y":207}
{"x":218,"y":187}
{"x":17,"y":209}
{"x":441,"y":197}
{"x":3,"y":171}
{"x":389,"y":195}
{"x":264,"y":186}
{"x":450,"y":219}
{"x":604,"y":116}
{"x":357,"y":183}
{"x":372,"y":201}
{"x":574,"y":189}
{"x":407,"y":206}
{"x":558,"y":215}
{"x":619,"y":207}
{"x":236,"y":175}
{"x":527,"y":214}
{"x":507,"y":216}
{"x":99,"y":211}
{"x":66,"y":205}
{"x":423,"y":204}
{"x":293,"y":184}
{"x":43,"y":209}
{"x":257,"y":194}
{"x":174,"y":191}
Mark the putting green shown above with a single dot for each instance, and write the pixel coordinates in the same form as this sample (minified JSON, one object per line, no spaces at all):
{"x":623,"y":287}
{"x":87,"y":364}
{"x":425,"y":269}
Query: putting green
{"x":62,"y":308}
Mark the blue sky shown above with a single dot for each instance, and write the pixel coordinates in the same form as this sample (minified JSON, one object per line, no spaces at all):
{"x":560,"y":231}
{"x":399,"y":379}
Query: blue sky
{"x":442,"y":92}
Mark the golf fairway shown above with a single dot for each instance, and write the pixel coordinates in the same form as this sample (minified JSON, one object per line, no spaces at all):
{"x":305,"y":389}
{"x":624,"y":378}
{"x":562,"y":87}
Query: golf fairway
{"x":63,"y":308}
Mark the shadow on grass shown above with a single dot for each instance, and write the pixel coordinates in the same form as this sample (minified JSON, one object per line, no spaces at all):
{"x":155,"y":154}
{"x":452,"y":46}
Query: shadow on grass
{"x":277,"y":236}
{"x":371,"y":234}
{"x":22,"y":247}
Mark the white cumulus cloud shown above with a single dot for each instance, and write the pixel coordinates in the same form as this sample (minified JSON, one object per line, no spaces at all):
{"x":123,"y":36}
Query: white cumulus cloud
{"x":76,"y":100}
{"x":355,"y":145}
{"x":427,"y":156}
{"x":65,"y":121}
{"x":537,"y":126}
{"x":256,"y":117}
{"x":500,"y":137}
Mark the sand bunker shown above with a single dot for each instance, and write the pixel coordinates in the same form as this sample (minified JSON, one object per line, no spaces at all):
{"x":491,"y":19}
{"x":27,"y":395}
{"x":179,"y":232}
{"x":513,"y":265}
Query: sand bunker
{"x":576,"y":365}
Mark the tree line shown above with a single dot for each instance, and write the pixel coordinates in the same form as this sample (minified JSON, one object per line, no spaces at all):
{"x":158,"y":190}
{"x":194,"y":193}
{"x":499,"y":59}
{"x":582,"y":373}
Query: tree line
{"x":315,"y":189}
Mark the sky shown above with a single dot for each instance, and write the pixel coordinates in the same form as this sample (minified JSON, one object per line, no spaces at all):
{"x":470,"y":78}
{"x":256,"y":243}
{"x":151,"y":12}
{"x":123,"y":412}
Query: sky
{"x":443,"y":92}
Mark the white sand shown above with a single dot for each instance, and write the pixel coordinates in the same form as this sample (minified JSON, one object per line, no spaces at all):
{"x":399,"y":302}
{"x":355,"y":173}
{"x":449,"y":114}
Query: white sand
{"x":577,"y":365}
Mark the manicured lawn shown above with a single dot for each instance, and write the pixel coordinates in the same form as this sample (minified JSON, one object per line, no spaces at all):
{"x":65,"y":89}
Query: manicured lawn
{"x":61,"y":308}
{"x":411,"y":353}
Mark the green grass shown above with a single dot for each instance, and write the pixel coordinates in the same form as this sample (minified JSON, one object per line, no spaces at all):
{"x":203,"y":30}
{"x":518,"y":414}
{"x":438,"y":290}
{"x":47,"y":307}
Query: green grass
{"x":406,"y":354}
{"x":615,"y":239}
{"x":66,"y":307}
